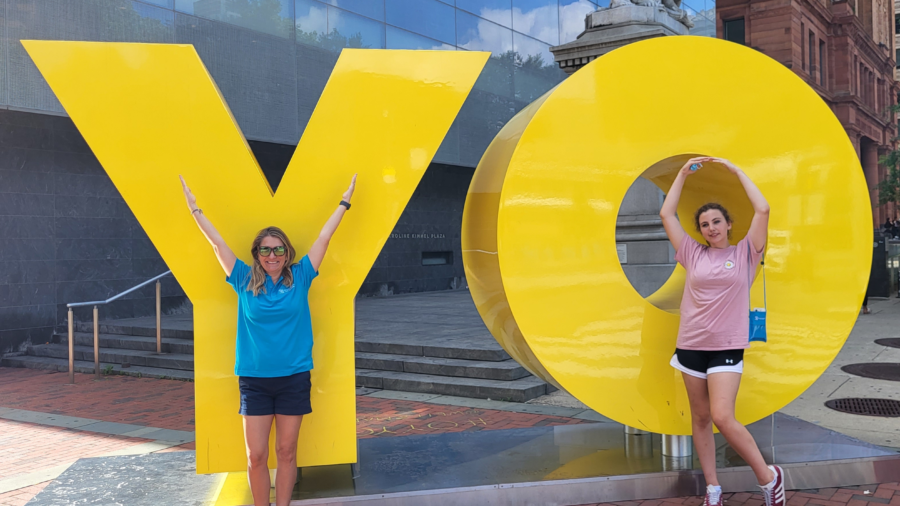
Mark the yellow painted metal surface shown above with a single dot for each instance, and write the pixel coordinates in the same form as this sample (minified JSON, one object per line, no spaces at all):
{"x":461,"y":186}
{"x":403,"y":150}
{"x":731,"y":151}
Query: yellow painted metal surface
{"x":150,"y":112}
{"x":545,"y":273}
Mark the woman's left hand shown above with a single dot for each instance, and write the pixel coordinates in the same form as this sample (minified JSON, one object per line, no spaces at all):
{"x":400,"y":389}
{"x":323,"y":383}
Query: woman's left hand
{"x":349,"y":192}
{"x":734,"y":169}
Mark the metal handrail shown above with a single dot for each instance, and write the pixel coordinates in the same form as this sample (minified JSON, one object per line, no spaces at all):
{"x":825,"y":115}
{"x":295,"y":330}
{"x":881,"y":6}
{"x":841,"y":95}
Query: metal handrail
{"x":97,"y":324}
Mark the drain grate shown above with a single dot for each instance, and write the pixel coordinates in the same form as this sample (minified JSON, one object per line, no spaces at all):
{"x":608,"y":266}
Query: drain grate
{"x":875,"y":370}
{"x":893,"y":342}
{"x":871,"y":407}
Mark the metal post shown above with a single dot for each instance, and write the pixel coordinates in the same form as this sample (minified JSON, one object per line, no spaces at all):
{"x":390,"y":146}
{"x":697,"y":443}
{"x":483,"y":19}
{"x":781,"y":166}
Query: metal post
{"x":71,"y":348}
{"x":96,"y":343}
{"x":638,"y":447}
{"x":158,"y":319}
{"x":634,"y":431}
{"x":677,"y":452}
{"x":677,"y":446}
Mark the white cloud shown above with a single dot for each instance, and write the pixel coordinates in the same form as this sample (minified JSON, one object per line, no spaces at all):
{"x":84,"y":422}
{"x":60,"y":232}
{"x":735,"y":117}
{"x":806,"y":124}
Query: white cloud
{"x":571,"y":19}
{"x":541,"y":23}
{"x":315,"y":20}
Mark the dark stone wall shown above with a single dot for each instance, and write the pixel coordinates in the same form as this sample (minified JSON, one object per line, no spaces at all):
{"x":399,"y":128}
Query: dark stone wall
{"x":429,"y":228}
{"x":430,"y":224}
{"x":66,"y":235}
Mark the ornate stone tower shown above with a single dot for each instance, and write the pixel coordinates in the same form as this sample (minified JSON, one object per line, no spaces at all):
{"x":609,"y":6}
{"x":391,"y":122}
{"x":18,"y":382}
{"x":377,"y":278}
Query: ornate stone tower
{"x":623,"y":22}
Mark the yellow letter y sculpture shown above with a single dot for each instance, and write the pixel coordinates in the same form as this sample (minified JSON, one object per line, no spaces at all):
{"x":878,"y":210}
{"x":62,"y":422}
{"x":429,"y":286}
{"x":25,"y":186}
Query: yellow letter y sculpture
{"x":150,"y":112}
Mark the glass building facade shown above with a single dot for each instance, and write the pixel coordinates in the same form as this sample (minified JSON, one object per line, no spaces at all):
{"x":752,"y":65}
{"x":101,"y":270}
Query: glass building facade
{"x":68,"y":236}
{"x":272,"y":58}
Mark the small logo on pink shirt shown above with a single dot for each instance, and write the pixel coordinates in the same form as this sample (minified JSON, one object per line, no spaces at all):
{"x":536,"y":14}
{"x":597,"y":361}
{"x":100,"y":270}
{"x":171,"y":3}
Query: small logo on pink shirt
{"x":729,"y":264}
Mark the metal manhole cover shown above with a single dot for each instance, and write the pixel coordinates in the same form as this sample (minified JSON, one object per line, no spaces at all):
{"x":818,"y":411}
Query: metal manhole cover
{"x":875,"y":370}
{"x":893,"y":342}
{"x":871,"y":407}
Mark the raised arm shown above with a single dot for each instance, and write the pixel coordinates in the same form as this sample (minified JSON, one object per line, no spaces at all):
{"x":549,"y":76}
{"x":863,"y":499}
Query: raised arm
{"x":317,"y":251}
{"x":223,"y":252}
{"x":673,"y":227}
{"x":759,"y":225}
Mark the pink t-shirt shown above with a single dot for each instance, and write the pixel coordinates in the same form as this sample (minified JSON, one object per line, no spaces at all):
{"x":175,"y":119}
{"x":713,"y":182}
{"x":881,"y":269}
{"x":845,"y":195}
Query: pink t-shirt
{"x":716,"y":302}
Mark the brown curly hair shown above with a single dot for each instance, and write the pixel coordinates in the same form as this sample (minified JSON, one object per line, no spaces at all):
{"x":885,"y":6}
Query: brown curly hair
{"x":708,"y":207}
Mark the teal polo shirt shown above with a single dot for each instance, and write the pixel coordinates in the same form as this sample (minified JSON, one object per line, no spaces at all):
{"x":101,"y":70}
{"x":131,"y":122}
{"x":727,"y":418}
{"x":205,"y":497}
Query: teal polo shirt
{"x":274,"y":329}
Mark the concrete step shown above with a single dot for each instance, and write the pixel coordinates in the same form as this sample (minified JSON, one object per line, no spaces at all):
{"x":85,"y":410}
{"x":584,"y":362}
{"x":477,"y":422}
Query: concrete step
{"x":137,"y":327}
{"x":507,"y":370}
{"x":123,"y":342}
{"x":62,"y":365}
{"x":520,"y":390}
{"x":177,"y":361}
{"x":482,"y":349}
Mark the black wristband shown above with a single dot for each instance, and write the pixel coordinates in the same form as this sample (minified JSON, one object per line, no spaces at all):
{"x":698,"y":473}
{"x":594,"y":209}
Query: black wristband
{"x":196,"y":210}
{"x":345,"y":204}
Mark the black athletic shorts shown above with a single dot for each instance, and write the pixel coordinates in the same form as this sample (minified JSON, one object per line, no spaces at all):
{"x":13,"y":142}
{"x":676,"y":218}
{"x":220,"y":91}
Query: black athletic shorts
{"x":284,"y":395}
{"x":701,"y":363}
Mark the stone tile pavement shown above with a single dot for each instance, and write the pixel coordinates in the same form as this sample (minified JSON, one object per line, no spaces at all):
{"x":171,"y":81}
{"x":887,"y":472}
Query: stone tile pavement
{"x":379,"y":417}
{"x":864,"y":495}
{"x":47,"y":424}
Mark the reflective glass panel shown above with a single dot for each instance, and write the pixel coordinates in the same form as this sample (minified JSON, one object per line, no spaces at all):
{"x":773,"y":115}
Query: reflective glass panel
{"x":498,"y":11}
{"x":533,"y":53}
{"x":478,"y":34}
{"x":370,"y":8}
{"x":535,"y":70}
{"x":311,"y":22}
{"x":401,"y":39}
{"x":355,"y":30}
{"x":537,"y":18}
{"x":689,"y":7}
{"x":703,"y":26}
{"x":270,"y":16}
{"x":168,"y":4}
{"x":427,"y":17}
{"x":571,"y":18}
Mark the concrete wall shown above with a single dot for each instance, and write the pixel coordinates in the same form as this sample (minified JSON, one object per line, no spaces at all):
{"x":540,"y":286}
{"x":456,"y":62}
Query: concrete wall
{"x":650,"y":256}
{"x":66,"y":235}
{"x":430,"y":225}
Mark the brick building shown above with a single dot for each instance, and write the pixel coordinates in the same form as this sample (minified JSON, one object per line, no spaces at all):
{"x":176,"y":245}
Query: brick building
{"x":844,"y":49}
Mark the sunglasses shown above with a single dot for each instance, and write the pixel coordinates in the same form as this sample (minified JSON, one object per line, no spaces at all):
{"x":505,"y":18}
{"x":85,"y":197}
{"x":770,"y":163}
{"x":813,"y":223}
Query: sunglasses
{"x":278,"y":250}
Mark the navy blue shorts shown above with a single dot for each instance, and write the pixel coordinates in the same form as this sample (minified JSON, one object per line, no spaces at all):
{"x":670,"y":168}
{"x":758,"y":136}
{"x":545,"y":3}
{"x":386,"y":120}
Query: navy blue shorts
{"x":284,"y":395}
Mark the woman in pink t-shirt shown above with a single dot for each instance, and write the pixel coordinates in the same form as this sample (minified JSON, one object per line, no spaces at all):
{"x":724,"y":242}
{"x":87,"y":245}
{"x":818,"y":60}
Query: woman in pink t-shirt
{"x":714,"y":329}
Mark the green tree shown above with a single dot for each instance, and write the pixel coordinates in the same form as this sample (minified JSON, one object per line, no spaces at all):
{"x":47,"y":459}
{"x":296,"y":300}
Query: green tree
{"x":889,"y":188}
{"x":332,"y":41}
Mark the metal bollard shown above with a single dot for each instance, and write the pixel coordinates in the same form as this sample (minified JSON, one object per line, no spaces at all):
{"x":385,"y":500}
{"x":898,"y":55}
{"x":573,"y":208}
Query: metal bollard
{"x":158,"y":318}
{"x":71,"y":347}
{"x":96,"y":344}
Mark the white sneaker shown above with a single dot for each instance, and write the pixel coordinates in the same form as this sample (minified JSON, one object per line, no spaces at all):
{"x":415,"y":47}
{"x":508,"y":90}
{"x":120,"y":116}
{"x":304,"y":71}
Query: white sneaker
{"x":774,"y":491}
{"x":713,"y":496}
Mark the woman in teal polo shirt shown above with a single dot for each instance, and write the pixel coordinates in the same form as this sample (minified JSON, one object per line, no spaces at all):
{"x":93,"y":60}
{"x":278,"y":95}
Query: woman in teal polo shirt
{"x":273,"y":355}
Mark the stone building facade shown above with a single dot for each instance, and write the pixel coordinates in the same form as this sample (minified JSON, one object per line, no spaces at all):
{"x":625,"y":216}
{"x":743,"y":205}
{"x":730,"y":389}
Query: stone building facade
{"x":842,"y":49}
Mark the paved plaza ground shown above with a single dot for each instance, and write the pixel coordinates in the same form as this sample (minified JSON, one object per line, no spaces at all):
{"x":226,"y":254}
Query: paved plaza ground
{"x":47,"y":424}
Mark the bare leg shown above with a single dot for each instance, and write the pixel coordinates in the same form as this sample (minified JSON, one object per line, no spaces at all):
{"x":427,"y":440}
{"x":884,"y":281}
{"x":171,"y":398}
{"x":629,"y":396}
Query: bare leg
{"x":287,"y":430}
{"x":701,"y":426}
{"x":723,"y":389}
{"x":256,"y":438}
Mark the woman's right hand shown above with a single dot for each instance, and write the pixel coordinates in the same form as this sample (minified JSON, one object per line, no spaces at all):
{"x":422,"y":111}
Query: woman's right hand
{"x":686,"y":169}
{"x":188,"y":196}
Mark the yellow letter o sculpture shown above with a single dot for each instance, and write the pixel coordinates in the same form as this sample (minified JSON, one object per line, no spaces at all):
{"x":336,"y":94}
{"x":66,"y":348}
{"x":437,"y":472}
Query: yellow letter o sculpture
{"x":539,"y":225}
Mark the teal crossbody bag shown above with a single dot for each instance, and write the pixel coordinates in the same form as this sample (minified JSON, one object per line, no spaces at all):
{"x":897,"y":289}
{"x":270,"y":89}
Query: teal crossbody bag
{"x":757,"y":316}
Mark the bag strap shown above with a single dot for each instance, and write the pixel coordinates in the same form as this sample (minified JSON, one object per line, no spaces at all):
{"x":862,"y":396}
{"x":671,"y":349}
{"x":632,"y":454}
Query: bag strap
{"x":751,"y":270}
